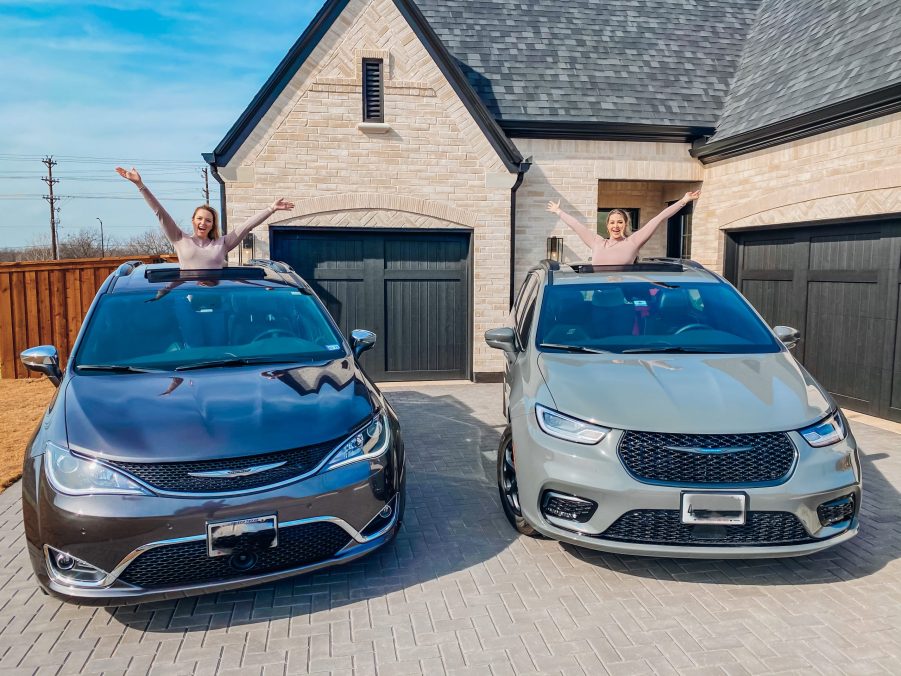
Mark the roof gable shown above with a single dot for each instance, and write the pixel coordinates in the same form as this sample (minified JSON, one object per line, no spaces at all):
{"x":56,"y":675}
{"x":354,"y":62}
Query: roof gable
{"x":301,"y":51}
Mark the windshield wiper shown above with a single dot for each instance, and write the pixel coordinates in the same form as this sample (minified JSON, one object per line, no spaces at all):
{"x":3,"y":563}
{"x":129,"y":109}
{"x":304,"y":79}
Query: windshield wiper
{"x":574,"y":348}
{"x":232,"y":361}
{"x":115,"y":368}
{"x":673,"y":349}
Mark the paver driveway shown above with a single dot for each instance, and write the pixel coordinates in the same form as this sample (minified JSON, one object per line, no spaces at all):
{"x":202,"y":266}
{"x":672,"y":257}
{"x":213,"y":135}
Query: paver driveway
{"x":459,"y":593}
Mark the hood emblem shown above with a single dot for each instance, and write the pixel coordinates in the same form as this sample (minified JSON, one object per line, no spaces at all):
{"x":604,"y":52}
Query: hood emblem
{"x":722,"y":449}
{"x":236,"y":473}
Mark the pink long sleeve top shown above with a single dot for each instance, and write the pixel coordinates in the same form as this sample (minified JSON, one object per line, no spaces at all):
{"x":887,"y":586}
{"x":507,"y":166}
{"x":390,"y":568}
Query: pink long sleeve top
{"x":193,"y":252}
{"x":618,"y":252}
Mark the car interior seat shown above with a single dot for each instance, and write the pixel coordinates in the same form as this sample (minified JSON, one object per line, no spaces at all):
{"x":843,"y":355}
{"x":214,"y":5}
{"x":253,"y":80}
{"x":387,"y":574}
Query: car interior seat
{"x":569,"y":319}
{"x":674,"y":310}
{"x":611,"y":315}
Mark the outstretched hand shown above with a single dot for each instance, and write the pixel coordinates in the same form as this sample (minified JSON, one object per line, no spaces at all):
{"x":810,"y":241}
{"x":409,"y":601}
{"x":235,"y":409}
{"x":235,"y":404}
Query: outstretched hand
{"x":282,"y":204}
{"x":691,"y":196}
{"x":554,"y":207}
{"x":131,"y":175}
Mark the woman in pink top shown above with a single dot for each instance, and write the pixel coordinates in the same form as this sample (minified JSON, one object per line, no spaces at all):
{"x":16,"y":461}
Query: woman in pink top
{"x":621,"y":248}
{"x":205,"y":249}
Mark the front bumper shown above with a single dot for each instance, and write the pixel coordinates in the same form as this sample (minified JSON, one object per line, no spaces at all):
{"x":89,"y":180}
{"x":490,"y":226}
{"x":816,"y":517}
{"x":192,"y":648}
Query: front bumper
{"x":355,"y":505}
{"x":596,"y":473}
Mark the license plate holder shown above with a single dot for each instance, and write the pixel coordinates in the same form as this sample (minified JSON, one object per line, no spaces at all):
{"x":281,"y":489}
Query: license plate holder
{"x":224,"y":538}
{"x":715,"y":509}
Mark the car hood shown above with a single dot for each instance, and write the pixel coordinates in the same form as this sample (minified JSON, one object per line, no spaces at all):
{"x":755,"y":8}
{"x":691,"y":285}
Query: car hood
{"x":686,"y":393}
{"x":215,"y":413}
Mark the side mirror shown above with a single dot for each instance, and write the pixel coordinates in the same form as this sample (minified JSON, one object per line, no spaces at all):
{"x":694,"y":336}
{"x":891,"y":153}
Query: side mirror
{"x":43,"y":359}
{"x":787,"y":335}
{"x":360,"y":341}
{"x":503,"y":339}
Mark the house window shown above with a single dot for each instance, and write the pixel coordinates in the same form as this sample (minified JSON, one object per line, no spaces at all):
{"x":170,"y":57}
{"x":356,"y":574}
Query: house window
{"x":603,"y":212}
{"x":373,"y":91}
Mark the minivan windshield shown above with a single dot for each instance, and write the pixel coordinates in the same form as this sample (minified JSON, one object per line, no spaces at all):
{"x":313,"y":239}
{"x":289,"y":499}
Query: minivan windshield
{"x":200,"y":326}
{"x":647,"y":316}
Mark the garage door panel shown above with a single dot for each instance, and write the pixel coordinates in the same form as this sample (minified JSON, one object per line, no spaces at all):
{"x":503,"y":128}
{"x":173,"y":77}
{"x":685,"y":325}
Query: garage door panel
{"x":425,"y":327}
{"x":858,"y":251}
{"x":773,"y":253}
{"x":345,"y":302}
{"x":436,"y":254}
{"x":845,"y":331}
{"x":772,"y":299}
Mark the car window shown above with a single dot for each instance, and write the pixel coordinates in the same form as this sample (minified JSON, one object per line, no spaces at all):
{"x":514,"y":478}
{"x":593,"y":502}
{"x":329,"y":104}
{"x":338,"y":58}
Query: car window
{"x":643,"y":316}
{"x":527,"y":291}
{"x":176,"y":327}
{"x":526,"y":309}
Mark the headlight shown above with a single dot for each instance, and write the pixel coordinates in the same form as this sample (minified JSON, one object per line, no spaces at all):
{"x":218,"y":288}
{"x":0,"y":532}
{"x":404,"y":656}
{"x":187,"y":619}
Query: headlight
{"x":826,"y":432}
{"x":71,"y":474}
{"x":370,"y":442}
{"x":571,"y":429}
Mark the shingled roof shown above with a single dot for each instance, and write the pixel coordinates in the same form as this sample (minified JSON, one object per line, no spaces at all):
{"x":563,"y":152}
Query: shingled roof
{"x":658,"y":62}
{"x":802,"y":55}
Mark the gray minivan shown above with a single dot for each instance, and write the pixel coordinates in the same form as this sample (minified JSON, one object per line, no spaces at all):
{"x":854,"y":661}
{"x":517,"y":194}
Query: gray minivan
{"x":212,"y":430}
{"x":652,"y":411}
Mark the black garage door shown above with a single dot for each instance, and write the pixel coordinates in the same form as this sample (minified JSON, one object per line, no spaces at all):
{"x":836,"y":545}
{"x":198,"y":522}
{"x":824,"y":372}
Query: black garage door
{"x":838,"y":284}
{"x":411,"y":289}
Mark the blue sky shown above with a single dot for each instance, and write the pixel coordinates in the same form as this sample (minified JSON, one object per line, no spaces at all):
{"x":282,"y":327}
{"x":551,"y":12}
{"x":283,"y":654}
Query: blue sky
{"x":146,"y":83}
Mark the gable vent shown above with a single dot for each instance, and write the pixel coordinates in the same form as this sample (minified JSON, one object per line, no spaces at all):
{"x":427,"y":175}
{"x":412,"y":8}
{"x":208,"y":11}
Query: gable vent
{"x":373,"y":92}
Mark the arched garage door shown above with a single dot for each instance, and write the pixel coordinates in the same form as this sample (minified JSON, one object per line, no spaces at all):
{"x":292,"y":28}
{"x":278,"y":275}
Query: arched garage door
{"x":838,"y":284}
{"x":411,"y":288}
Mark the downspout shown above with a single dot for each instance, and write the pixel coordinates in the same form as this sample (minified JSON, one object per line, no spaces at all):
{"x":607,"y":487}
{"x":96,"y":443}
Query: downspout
{"x":524,"y":166}
{"x":223,"y":215}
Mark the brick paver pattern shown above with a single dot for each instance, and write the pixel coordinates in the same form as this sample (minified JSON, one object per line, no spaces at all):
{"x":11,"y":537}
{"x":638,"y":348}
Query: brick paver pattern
{"x":459,"y":592}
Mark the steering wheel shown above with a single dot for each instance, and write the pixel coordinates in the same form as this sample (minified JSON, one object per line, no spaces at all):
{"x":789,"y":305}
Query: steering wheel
{"x":692,"y":327}
{"x":273,"y":333}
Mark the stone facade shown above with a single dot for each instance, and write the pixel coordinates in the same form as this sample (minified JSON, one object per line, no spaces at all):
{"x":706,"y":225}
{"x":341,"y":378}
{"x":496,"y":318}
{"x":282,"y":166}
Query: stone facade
{"x":584,"y":175}
{"x":428,"y":166}
{"x":849,"y":172}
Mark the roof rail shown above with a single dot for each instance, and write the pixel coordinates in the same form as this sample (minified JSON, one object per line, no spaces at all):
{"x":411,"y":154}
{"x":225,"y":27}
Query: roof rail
{"x":127,"y":268}
{"x":687,"y":262}
{"x":276,"y":266}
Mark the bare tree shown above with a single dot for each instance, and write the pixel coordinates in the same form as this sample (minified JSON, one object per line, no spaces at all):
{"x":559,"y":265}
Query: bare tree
{"x":149,"y":242}
{"x":83,"y":244}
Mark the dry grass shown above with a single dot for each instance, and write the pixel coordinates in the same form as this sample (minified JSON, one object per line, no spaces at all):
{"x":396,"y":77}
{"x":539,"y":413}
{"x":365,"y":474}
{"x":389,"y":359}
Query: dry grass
{"x":22,"y":404}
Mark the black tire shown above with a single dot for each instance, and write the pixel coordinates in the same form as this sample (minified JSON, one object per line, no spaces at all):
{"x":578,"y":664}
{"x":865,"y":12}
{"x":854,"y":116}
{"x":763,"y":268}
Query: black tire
{"x":506,"y":485}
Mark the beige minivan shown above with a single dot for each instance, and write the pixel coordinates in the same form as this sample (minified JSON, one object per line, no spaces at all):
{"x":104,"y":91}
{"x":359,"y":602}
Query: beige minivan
{"x":652,"y":411}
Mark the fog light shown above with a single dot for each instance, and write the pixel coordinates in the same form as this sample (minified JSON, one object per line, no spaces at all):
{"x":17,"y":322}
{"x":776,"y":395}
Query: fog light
{"x":70,"y":570}
{"x":567,"y":507}
{"x":836,"y":511}
{"x":64,"y":561}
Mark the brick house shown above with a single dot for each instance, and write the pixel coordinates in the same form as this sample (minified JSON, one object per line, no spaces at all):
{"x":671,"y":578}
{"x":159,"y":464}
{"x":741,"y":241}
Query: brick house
{"x":421,"y":141}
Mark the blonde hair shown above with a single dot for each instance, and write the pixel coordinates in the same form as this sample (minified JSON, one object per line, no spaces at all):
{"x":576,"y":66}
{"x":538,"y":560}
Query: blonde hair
{"x":626,"y":218}
{"x":214,"y":231}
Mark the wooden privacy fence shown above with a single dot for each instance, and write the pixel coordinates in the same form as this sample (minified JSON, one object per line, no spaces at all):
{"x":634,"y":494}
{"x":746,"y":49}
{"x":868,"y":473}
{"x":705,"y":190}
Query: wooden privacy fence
{"x":44,"y":303}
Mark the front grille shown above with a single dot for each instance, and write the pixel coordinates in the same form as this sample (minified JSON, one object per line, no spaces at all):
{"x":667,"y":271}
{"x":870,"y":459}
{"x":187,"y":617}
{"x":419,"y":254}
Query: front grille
{"x":188,"y":563}
{"x":707,"y":458}
{"x":174,"y":476}
{"x":836,"y":511}
{"x":665,"y":527}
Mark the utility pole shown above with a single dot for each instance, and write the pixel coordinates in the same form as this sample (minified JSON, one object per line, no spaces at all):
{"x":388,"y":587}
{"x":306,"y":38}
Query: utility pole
{"x":50,"y":181}
{"x":206,"y":184}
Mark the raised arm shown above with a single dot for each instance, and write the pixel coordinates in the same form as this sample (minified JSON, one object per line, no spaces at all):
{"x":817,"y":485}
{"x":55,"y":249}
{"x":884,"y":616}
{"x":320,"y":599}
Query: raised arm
{"x":647,"y":230}
{"x":167,"y":223}
{"x":584,"y":233}
{"x":233,"y":238}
